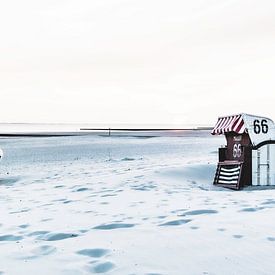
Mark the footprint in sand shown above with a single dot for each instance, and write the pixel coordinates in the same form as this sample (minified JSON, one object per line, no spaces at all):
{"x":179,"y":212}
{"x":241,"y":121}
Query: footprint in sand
{"x":108,"y":195}
{"x":102,"y":267}
{"x":83,"y":231}
{"x":237,"y":236}
{"x":268,"y":202}
{"x":93,"y":253}
{"x":21,"y":211}
{"x":9,"y":181}
{"x":144,"y":186}
{"x":38,"y":233}
{"x":271,"y":239}
{"x":56,"y":236}
{"x":43,"y":250}
{"x":38,"y":252}
{"x":23,"y":226}
{"x":67,"y":201}
{"x":178,"y":210}
{"x":139,"y":176}
{"x":114,"y":226}
{"x":81,"y":189}
{"x":199,"y":212}
{"x":46,"y":220}
{"x":175,"y":222}
{"x":59,"y":186}
{"x":59,"y":200}
{"x":251,"y":209}
{"x":161,"y":217}
{"x":127,"y":159}
{"x":194,"y":227}
{"x":10,"y":238}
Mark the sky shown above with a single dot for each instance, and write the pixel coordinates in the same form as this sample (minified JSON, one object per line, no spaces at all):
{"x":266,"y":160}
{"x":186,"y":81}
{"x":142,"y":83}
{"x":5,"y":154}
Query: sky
{"x":136,"y":61}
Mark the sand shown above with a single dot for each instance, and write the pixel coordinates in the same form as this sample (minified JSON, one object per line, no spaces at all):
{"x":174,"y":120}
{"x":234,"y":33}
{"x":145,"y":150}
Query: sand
{"x":128,"y":205}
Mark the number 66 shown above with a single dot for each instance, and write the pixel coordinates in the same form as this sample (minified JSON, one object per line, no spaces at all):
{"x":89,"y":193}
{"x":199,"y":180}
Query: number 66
{"x":260,"y":126}
{"x":237,"y":151}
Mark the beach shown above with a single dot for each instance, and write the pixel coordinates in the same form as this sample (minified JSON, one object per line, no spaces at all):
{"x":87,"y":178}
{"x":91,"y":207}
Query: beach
{"x":91,"y":204}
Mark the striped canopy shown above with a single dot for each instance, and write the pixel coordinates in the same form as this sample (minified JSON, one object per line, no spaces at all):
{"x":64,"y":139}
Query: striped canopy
{"x":229,"y":124}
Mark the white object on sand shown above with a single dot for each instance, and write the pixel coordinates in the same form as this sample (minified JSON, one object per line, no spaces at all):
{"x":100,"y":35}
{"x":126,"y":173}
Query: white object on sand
{"x":248,"y":158}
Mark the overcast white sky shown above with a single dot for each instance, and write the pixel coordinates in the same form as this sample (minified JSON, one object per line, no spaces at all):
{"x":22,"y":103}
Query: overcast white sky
{"x":136,"y":61}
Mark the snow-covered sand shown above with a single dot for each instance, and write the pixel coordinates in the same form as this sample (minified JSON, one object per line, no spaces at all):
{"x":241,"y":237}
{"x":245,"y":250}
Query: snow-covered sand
{"x":128,"y":205}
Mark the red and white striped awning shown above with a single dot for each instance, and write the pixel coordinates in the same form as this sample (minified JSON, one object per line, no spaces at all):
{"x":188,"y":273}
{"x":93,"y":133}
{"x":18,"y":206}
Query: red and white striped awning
{"x":229,"y":124}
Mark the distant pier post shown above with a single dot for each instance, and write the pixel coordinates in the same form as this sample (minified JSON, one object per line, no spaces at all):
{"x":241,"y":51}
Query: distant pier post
{"x":109,"y":132}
